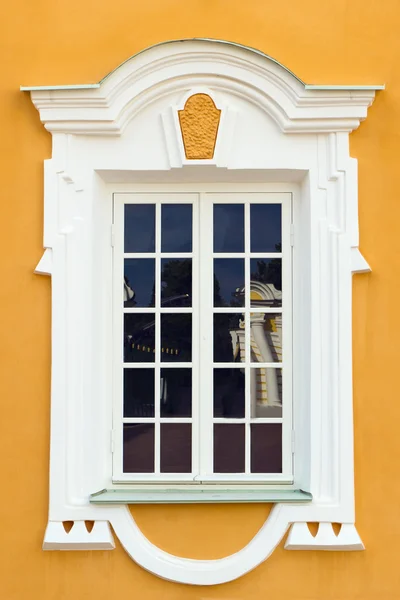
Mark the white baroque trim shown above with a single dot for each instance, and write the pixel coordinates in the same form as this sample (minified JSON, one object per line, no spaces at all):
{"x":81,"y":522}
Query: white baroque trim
{"x":78,"y":538}
{"x":300,"y":538}
{"x":122,"y":135}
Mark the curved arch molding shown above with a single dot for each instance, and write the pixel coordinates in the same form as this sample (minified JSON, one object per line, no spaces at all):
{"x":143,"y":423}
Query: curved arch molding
{"x":303,"y":140}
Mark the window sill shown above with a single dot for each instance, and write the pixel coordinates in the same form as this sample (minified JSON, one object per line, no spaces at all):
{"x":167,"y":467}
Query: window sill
{"x":110,"y":496}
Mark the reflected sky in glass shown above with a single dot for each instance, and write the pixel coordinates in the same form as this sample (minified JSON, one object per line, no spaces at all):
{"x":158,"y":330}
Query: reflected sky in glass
{"x":140,"y":227}
{"x":228,"y":228}
{"x":265,"y":228}
{"x":176,"y":228}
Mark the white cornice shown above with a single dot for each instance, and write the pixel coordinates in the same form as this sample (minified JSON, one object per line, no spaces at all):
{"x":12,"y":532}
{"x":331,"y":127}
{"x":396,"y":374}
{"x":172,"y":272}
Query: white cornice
{"x":106,"y":108}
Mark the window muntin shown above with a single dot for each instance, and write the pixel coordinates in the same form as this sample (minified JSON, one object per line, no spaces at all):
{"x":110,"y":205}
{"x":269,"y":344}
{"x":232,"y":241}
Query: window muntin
{"x":212,"y":345}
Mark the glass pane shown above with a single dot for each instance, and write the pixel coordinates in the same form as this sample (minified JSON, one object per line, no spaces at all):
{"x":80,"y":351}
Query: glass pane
{"x":140,"y":227}
{"x":139,"y":392}
{"x":176,"y":393}
{"x":228,"y":227}
{"x":266,"y":337}
{"x":175,"y":448}
{"x":228,"y":282}
{"x":266,"y":448}
{"x":139,"y":282}
{"x":176,"y":228}
{"x":176,"y":338}
{"x":229,"y":448}
{"x":266,"y":393}
{"x":265,"y":228}
{"x":266,"y":282}
{"x":229,"y":393}
{"x":176,"y":282}
{"x":229,"y":338}
{"x":138,"y":448}
{"x":139,"y":337}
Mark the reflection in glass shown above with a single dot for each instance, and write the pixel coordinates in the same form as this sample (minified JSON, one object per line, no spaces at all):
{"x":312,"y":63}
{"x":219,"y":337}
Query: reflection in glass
{"x":265,"y":393}
{"x":229,"y":448}
{"x":176,"y":228}
{"x":139,"y":392}
{"x":176,"y":393}
{"x":228,"y":228}
{"x":266,"y":448}
{"x":139,"y":337}
{"x":175,"y":448}
{"x":139,"y":282}
{"x":139,"y":227}
{"x":229,"y":338}
{"x":176,"y":337}
{"x":266,"y":282}
{"x":229,"y":393}
{"x":138,"y":448}
{"x":176,"y":282}
{"x":228,"y":282}
{"x":265,"y":228}
{"x":266,"y":337}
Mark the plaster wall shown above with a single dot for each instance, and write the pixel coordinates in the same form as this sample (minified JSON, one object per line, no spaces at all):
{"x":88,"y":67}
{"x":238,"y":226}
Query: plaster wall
{"x":343,"y":42}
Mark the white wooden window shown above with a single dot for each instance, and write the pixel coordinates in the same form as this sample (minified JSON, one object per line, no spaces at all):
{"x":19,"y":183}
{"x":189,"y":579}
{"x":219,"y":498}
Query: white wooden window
{"x":202,"y":338}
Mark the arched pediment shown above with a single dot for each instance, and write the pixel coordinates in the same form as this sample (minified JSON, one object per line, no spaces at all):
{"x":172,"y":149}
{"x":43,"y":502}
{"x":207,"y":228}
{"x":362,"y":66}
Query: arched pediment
{"x":107,"y":107}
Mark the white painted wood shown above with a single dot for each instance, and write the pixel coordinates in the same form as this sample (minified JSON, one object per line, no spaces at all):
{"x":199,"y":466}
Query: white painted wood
{"x":284,"y":137}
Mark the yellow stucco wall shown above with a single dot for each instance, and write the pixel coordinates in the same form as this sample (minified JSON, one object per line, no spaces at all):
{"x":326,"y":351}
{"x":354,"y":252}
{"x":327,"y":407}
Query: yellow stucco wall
{"x":78,"y":41}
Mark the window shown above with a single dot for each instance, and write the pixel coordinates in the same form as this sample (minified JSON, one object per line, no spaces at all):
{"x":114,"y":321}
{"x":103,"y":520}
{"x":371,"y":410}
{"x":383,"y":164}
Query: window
{"x":202,"y":338}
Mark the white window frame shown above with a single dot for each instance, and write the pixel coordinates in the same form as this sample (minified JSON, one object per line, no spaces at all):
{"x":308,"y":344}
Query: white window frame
{"x":202,"y":311}
{"x":273,"y":128}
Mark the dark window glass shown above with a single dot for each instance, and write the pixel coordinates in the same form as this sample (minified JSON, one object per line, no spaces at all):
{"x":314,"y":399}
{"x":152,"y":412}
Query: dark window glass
{"x":228,"y":228}
{"x":176,"y":337}
{"x":228,"y":282}
{"x":266,"y":393}
{"x":176,"y":393}
{"x":175,"y":448}
{"x":229,"y":337}
{"x":229,"y":393}
{"x":266,"y":337}
{"x":265,"y":228}
{"x":176,"y":228}
{"x":229,"y":448}
{"x":176,"y":282}
{"x":266,"y":448}
{"x":138,"y":448}
{"x":139,"y":392}
{"x":139,"y":337}
{"x":139,"y":282}
{"x":266,"y":282}
{"x":139,"y":227}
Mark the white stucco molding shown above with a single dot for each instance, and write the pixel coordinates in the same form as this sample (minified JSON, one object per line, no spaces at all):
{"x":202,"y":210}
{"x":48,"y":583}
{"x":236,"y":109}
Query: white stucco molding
{"x":106,"y":108}
{"x":276,"y":133}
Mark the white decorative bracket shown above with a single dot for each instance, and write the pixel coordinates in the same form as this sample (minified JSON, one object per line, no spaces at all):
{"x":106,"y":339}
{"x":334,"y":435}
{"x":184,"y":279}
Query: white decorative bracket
{"x":274,"y":131}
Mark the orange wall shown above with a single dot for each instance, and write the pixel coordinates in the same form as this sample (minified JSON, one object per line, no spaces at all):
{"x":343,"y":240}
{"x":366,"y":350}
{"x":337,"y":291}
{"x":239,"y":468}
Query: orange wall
{"x":79,"y":41}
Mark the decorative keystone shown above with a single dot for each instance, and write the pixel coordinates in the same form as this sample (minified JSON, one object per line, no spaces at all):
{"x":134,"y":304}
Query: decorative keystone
{"x":199,"y":122}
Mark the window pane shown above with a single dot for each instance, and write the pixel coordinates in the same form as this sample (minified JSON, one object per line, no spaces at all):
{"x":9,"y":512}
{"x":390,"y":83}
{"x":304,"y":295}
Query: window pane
{"x":266,"y":337}
{"x":229,"y":338}
{"x":138,"y":449}
{"x":266,"y":282}
{"x":229,"y":393}
{"x":265,"y":228}
{"x":228,"y":228}
{"x":139,"y":337}
{"x":266,"y":448}
{"x":266,"y":393}
{"x":139,"y":227}
{"x":228,"y":282}
{"x":176,"y":228}
{"x":176,"y":448}
{"x":139,"y":392}
{"x":229,"y":448}
{"x":176,"y":282}
{"x":176,"y":338}
{"x":176,"y":393}
{"x":139,"y":282}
